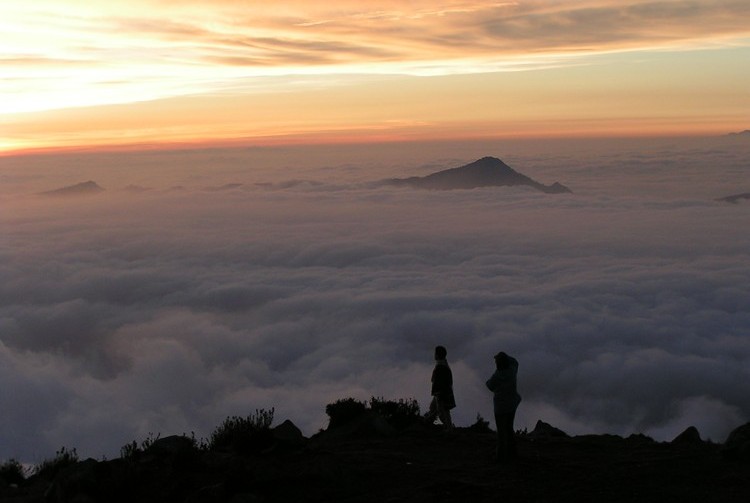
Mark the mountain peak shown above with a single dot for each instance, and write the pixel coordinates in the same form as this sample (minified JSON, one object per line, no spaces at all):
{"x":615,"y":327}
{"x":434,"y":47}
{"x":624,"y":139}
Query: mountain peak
{"x":79,"y":189}
{"x":485,"y":172}
{"x":487,"y":160}
{"x":488,"y":163}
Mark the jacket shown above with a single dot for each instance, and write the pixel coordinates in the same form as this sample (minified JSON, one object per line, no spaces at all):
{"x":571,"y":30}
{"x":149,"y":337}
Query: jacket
{"x":503,"y":385}
{"x":442,"y":384}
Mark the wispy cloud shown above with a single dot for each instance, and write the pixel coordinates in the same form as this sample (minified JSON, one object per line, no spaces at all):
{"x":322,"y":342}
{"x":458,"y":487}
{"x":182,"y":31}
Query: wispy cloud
{"x":203,"y":44}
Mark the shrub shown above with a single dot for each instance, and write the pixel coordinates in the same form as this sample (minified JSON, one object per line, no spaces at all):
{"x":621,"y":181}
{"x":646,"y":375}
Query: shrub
{"x":201,"y":445}
{"x":51,"y":467}
{"x":243,"y":434}
{"x":12,"y":472}
{"x":481,"y":425}
{"x":399,"y":414}
{"x":133,"y":449}
{"x":129,"y":451}
{"x":344,"y":411}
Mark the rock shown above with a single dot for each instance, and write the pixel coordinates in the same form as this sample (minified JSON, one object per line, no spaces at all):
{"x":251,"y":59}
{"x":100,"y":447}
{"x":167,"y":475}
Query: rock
{"x":689,"y":436}
{"x":174,"y":445}
{"x":545,"y":430}
{"x":380,"y":426}
{"x":366,"y":425}
{"x":640,"y":438}
{"x":79,"y":482}
{"x":288,"y":433}
{"x":737,"y":445}
{"x":419,"y":465}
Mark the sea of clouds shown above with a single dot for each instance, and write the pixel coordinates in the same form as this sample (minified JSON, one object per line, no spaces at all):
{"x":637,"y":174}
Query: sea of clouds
{"x":209,"y":283}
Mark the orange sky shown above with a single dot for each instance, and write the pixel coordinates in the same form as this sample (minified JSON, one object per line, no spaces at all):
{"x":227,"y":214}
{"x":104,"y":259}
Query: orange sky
{"x":81,"y":73}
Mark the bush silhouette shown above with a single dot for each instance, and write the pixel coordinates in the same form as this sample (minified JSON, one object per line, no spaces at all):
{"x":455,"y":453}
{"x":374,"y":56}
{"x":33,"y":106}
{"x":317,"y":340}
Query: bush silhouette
{"x":344,"y":411}
{"x":481,"y":425}
{"x":51,"y":467}
{"x":133,"y":449}
{"x":399,"y":414}
{"x":12,"y":472}
{"x":243,"y":435}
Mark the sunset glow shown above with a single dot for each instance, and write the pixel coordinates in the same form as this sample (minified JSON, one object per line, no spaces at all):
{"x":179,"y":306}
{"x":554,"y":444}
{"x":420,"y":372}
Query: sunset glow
{"x":75,"y":73}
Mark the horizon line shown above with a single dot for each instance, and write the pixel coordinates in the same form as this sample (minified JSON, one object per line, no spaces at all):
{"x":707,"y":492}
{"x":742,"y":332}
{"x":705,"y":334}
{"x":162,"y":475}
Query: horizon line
{"x":301,"y":141}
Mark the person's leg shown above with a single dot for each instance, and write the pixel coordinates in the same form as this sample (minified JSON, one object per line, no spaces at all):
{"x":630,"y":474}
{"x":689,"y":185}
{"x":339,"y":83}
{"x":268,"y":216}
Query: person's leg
{"x":499,"y":427}
{"x":445,"y":415}
{"x":432,"y":412}
{"x":506,"y":440}
{"x":510,"y":434}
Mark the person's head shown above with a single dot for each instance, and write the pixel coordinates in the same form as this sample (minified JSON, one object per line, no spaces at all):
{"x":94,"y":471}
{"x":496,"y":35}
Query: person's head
{"x":501,"y":360}
{"x":440,"y":353}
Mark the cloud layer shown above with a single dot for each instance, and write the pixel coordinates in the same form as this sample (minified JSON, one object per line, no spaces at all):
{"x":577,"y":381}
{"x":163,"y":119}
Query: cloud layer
{"x":166,"y":310}
{"x":124,"y":52}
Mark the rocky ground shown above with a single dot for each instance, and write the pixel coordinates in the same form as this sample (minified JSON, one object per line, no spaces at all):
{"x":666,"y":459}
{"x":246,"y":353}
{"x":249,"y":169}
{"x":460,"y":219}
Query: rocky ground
{"x":369,"y":462}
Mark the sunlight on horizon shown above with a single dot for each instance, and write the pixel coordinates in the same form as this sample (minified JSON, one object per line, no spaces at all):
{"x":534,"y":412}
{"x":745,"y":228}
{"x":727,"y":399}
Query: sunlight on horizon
{"x":64,"y":59}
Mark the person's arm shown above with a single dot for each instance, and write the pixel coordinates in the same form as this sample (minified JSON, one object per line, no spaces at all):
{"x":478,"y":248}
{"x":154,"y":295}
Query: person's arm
{"x":492,"y":382}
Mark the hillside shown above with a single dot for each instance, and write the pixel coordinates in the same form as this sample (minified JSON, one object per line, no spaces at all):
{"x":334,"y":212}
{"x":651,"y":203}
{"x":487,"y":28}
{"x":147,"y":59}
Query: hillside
{"x":368,"y":461}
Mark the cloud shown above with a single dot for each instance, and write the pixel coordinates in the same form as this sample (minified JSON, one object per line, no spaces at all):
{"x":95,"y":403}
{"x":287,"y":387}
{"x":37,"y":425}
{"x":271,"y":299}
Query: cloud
{"x":150,"y":39}
{"x":164,"y":312}
{"x":141,"y":71}
{"x":466,"y":30}
{"x":609,"y":25}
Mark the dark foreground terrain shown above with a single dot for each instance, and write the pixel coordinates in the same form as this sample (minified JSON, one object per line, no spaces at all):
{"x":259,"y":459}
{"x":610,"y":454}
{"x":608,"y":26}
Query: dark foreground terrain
{"x":369,"y":462}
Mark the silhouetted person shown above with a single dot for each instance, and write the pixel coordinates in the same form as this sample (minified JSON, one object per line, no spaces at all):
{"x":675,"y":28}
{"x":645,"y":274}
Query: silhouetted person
{"x":505,"y":401}
{"x":442,"y":390}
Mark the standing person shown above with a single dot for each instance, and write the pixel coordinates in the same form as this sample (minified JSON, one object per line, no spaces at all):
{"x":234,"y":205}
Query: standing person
{"x":442,"y":390}
{"x":505,"y":401}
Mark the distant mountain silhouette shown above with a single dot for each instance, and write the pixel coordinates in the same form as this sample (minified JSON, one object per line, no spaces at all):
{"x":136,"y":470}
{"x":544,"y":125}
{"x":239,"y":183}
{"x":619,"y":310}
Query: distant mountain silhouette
{"x":744,"y":134}
{"x":223,"y":188}
{"x":136,"y":189}
{"x":735,"y":198}
{"x":79,"y":189}
{"x":485,"y":172}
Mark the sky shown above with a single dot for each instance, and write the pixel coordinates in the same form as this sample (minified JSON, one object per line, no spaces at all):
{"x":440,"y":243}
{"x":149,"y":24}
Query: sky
{"x":80,"y":74}
{"x":208,"y":283}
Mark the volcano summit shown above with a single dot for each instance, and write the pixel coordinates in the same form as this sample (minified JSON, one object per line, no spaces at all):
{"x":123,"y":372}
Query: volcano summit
{"x":485,"y":172}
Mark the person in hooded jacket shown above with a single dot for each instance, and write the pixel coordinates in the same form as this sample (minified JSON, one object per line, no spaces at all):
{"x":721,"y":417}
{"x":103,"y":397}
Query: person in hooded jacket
{"x":442,"y":390}
{"x":505,"y":401}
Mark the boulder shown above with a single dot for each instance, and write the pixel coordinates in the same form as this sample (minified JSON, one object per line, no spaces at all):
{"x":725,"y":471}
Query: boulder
{"x":288,"y":433}
{"x":366,"y":425}
{"x":174,"y":445}
{"x":545,"y":430}
{"x":80,"y":482}
{"x":689,"y":436}
{"x":737,"y":445}
{"x":640,"y":438}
